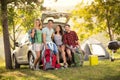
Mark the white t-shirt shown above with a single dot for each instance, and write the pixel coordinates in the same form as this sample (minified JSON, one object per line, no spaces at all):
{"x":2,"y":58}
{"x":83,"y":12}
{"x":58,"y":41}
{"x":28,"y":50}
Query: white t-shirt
{"x":48,"y":33}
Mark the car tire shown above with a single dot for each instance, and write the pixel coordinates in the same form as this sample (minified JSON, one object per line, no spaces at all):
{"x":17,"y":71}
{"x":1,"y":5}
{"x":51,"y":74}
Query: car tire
{"x":31,"y":60}
{"x":15,"y":64}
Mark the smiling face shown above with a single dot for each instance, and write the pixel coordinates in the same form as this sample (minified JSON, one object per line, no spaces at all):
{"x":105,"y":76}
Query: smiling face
{"x":67,"y":28}
{"x":50,"y":24}
{"x":37,"y":23}
{"x":57,"y":29}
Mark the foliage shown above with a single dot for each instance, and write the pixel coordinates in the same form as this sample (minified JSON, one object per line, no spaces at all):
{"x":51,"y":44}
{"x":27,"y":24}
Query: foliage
{"x":97,"y":17}
{"x":0,"y":22}
{"x":21,"y":18}
{"x":5,"y":18}
{"x":23,"y":14}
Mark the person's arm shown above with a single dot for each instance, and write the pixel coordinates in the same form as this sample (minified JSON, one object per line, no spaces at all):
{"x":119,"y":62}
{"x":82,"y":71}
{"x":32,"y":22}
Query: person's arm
{"x":44,"y":38}
{"x":52,"y":36}
{"x":65,"y":42}
{"x":53,"y":33}
{"x":77,"y":41}
{"x":32,"y":33}
{"x":64,"y":39}
{"x":76,"y":38}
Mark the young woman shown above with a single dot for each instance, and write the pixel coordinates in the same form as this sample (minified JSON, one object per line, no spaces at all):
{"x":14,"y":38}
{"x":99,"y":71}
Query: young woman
{"x":58,"y":40}
{"x":37,"y":44}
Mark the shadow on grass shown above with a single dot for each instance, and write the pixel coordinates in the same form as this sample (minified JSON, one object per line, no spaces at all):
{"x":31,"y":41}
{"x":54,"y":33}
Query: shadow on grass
{"x":26,"y":74}
{"x":116,"y":77}
{"x":103,"y":71}
{"x":106,"y":70}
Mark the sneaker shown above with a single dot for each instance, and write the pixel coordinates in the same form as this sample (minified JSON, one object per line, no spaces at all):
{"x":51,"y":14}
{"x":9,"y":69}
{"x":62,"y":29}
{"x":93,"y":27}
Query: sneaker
{"x":32,"y":67}
{"x":37,"y":69}
{"x":62,"y":67}
{"x":65,"y":65}
{"x":56,"y":68}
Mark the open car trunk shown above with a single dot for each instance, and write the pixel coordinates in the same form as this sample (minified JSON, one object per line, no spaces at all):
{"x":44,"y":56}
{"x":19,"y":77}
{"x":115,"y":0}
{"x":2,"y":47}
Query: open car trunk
{"x":59,"y":18}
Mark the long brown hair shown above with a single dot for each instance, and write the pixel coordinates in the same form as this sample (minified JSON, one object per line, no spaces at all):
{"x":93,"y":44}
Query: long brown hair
{"x":40,"y":23}
{"x":61,"y":30}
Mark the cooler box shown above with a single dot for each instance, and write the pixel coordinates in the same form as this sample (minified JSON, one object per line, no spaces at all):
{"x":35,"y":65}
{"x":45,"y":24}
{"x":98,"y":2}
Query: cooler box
{"x":93,"y":60}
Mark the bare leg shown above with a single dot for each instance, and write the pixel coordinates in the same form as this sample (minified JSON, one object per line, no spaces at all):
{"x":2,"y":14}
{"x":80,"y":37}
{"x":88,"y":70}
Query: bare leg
{"x":63,"y":53}
{"x":37,"y":58}
{"x":58,"y":61}
{"x":69,"y":54}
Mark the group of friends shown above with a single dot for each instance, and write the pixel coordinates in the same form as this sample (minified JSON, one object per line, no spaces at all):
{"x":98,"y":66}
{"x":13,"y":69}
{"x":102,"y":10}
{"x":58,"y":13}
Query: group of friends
{"x":62,"y":42}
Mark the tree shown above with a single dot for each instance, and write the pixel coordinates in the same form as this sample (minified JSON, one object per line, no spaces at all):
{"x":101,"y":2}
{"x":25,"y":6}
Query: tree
{"x":108,"y":11}
{"x":4,"y":18}
{"x":6,"y":34}
{"x":21,"y":18}
{"x":99,"y":16}
{"x":0,"y":23}
{"x":84,"y":23}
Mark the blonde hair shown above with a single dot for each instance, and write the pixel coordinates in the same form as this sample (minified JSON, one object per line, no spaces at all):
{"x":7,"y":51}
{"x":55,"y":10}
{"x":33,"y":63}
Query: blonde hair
{"x":40,"y":23}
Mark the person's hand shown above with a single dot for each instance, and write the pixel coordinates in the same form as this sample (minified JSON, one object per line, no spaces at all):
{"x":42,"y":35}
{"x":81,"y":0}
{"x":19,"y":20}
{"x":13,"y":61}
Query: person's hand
{"x":33,"y":31}
{"x":77,"y":46}
{"x":46,"y":47}
{"x":76,"y":42}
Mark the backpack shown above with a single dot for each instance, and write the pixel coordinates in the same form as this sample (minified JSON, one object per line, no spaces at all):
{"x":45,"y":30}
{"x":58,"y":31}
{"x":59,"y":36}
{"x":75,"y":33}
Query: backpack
{"x":49,"y":60}
{"x":32,"y":40}
{"x":78,"y":57}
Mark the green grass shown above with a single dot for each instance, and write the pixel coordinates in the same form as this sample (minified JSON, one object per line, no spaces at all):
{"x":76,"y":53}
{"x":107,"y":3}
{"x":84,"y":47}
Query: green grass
{"x":105,"y":70}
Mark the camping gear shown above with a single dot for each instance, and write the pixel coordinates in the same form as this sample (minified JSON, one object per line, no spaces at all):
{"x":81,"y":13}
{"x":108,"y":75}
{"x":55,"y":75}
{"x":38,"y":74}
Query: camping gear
{"x":114,"y":45}
{"x":93,"y":60}
{"x":58,"y":66}
{"x":32,"y":40}
{"x":94,"y":47}
{"x":78,"y":57}
{"x":48,"y":59}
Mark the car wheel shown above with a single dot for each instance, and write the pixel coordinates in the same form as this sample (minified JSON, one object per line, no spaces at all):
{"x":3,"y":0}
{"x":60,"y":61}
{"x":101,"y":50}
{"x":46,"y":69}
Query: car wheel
{"x":31,"y":61}
{"x":15,"y":65}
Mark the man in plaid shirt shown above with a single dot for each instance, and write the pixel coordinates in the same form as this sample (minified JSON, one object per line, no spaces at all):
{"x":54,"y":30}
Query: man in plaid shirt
{"x":70,"y":39}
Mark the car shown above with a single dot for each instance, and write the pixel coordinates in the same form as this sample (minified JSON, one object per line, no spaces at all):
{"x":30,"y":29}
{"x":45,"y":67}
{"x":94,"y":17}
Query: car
{"x":24,"y":54}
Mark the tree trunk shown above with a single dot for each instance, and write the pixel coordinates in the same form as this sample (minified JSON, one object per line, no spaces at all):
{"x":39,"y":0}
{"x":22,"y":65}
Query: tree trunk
{"x":109,"y":30}
{"x":7,"y":50}
{"x":108,"y":25}
{"x":14,"y":40}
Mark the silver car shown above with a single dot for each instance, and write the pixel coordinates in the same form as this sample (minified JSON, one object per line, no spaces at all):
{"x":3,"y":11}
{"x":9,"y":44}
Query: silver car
{"x":23,"y":54}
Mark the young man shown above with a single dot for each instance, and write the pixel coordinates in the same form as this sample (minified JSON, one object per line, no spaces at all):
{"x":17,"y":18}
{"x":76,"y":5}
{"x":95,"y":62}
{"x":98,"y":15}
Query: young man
{"x":47,"y":38}
{"x":70,"y":39}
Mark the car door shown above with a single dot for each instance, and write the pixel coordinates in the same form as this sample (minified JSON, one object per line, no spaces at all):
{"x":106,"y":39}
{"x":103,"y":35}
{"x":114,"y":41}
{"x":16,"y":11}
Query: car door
{"x":23,"y":50}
